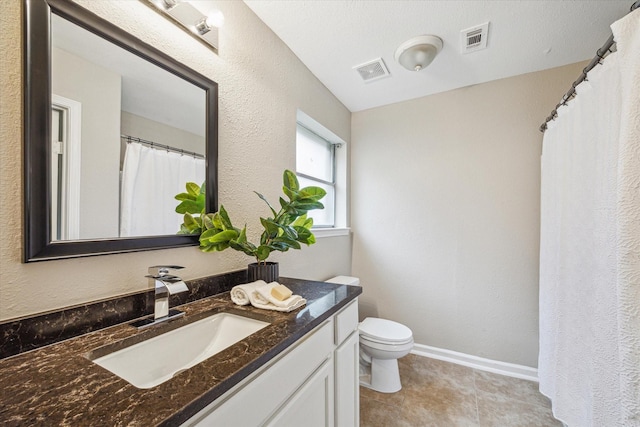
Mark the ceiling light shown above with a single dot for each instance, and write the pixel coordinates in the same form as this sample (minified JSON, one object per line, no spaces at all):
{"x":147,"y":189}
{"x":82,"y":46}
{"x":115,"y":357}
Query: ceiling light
{"x":166,"y":4}
{"x":418,"y":52}
{"x":188,"y":17}
{"x":214,"y":20}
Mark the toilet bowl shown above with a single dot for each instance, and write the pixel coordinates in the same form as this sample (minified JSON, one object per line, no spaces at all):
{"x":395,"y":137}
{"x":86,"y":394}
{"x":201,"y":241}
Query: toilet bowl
{"x":382,"y":343}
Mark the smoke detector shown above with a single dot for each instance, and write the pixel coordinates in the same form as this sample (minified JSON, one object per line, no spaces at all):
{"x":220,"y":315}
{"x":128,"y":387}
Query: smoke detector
{"x":474,"y":38}
{"x":372,"y":70}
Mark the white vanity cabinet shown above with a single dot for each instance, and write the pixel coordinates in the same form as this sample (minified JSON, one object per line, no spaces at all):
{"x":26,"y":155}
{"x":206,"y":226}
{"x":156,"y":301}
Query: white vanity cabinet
{"x":347,"y":390}
{"x":346,"y":367}
{"x":312,"y":383}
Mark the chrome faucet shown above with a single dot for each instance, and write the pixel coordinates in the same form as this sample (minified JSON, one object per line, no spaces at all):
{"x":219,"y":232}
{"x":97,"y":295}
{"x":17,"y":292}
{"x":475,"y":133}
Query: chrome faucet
{"x":164,"y":284}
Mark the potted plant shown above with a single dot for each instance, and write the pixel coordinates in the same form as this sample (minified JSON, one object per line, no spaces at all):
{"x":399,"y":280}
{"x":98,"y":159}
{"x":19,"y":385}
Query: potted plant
{"x":286,"y":229}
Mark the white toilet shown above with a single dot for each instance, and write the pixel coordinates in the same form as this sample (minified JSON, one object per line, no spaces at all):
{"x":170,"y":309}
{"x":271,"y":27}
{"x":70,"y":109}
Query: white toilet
{"x":382,"y":343}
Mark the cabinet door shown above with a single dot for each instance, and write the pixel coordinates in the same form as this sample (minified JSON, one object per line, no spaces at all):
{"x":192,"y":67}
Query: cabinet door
{"x":347,"y":378}
{"x":261,"y":397}
{"x":312,"y":404}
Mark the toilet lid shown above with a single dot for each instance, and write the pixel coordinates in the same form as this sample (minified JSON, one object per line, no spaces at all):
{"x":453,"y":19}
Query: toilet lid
{"x":384,"y":330}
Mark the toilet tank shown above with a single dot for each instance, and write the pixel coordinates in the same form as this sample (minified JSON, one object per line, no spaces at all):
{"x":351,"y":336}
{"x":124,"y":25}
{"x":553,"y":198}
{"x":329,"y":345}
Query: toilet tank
{"x":345,"y":280}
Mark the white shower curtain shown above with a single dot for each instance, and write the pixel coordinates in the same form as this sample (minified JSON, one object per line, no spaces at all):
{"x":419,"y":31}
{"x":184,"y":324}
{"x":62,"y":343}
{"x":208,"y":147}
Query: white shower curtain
{"x":150,"y":180}
{"x":589,"y":363}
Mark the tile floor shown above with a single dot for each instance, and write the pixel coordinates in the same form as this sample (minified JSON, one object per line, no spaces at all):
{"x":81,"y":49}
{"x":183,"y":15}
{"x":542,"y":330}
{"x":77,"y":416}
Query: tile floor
{"x":441,"y":394}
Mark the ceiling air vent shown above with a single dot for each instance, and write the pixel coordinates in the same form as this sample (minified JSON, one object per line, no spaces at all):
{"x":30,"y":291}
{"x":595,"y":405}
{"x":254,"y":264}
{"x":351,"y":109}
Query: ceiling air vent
{"x":474,"y":38}
{"x":372,"y":70}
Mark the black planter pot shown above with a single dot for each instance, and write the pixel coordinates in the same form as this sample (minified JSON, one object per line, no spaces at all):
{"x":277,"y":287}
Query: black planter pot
{"x":267,"y":272}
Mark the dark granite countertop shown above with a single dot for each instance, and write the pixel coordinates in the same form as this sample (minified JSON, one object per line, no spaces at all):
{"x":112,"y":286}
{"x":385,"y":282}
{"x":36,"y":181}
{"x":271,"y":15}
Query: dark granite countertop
{"x":59,"y":385}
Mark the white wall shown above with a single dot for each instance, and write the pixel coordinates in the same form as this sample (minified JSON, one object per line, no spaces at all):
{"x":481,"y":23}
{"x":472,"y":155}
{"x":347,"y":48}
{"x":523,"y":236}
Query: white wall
{"x":261,"y":84}
{"x":144,"y":128}
{"x":445,"y":213}
{"x":75,"y":78}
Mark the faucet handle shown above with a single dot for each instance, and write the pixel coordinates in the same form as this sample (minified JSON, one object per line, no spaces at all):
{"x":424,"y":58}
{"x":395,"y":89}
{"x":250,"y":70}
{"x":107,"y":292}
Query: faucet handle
{"x":162,"y":270}
{"x":170,"y":278}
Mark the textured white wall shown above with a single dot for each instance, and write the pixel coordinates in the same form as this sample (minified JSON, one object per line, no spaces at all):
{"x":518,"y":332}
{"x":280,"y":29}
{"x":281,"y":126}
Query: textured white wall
{"x":445,"y":197}
{"x":261,"y":85}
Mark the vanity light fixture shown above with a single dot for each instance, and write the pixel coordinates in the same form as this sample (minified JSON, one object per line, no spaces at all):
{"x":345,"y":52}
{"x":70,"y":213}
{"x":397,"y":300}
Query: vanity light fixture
{"x":167,"y":4}
{"x":181,"y":12}
{"x":214,"y":20}
{"x":418,"y":52}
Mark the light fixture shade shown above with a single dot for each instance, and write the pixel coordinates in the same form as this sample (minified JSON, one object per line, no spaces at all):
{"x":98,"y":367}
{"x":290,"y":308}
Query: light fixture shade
{"x":418,"y":52}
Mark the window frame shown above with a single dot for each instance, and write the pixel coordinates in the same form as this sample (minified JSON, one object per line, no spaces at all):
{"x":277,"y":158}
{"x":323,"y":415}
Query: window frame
{"x":332,"y":151}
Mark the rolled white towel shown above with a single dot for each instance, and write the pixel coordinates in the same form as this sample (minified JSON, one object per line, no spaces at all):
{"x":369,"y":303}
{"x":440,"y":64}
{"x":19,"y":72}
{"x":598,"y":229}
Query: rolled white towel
{"x":264,"y":291}
{"x":256,"y":302}
{"x":241,"y":294}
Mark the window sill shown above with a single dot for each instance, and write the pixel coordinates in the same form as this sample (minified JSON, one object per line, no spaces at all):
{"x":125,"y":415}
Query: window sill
{"x":330,"y":232}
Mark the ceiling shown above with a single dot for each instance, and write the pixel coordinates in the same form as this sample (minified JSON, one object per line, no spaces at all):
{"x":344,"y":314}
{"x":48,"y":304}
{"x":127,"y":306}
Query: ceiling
{"x":332,"y":36}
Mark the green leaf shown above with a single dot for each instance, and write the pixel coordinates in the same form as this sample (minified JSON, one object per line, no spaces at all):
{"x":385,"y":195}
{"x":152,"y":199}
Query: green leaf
{"x":305,"y":200}
{"x":204,"y":237}
{"x":303,"y":233}
{"x":193,"y":189}
{"x":271,"y":227}
{"x":184,"y":196}
{"x":290,"y":232}
{"x":190,"y":222}
{"x":291,"y":211}
{"x":300,"y":221}
{"x":286,"y":243}
{"x":224,"y":217}
{"x":184,"y":230}
{"x":283,"y":203}
{"x":242,"y":238}
{"x":241,"y":247}
{"x":200,"y":201}
{"x":215,"y":238}
{"x":207,"y":221}
{"x":290,"y":180}
{"x":313,"y":193}
{"x":207,"y":248}
{"x":188,"y":206}
{"x":279,"y":246}
{"x":307,"y":206}
{"x":203,"y":188}
{"x":305,"y":236}
{"x":308,"y":223}
{"x":221,"y":246}
{"x":291,"y":194}
{"x":217,"y":220}
{"x":262,"y":252}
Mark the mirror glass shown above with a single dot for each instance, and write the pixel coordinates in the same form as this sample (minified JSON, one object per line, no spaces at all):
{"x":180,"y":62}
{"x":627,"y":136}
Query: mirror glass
{"x":114,"y":129}
{"x":126,"y":137}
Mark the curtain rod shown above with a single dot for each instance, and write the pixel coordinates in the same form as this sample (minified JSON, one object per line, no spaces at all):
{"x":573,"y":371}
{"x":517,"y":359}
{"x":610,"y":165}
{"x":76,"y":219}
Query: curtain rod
{"x":600,"y":54}
{"x":162,"y":146}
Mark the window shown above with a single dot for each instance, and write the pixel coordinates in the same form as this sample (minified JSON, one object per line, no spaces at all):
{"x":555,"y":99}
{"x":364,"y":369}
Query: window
{"x":315,"y":165}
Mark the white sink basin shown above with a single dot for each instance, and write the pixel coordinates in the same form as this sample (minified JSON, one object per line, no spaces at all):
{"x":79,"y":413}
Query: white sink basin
{"x":158,"y":359}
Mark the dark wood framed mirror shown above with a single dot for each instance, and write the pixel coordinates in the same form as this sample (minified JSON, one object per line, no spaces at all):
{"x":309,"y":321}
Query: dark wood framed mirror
{"x":42,"y":212}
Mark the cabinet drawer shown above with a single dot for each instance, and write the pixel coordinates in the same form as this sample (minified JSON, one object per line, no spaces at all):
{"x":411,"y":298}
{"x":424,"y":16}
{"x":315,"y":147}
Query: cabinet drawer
{"x":346,"y":322}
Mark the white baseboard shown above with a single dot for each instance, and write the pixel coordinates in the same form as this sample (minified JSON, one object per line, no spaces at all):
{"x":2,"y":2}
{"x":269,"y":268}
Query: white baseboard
{"x":502,"y":368}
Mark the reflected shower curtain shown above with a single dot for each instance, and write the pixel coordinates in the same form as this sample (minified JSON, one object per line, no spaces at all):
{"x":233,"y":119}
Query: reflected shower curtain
{"x":150,"y":180}
{"x":589,"y":363}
